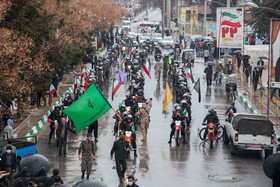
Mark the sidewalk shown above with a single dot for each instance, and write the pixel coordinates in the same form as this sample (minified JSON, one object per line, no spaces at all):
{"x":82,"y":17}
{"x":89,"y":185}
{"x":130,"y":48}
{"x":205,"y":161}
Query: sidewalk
{"x":250,"y":97}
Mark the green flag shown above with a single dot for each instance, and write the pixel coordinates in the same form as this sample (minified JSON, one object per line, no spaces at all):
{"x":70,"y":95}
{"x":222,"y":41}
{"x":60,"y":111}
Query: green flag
{"x":88,"y":108}
{"x":169,"y":60}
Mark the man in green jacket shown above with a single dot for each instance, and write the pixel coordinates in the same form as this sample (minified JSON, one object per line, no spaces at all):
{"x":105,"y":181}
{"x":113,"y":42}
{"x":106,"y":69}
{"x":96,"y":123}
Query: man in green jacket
{"x":120,"y":149}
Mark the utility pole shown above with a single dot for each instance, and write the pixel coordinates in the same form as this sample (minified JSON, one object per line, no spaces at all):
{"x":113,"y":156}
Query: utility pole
{"x":205,"y":13}
{"x":168,"y":10}
{"x":162,"y":23}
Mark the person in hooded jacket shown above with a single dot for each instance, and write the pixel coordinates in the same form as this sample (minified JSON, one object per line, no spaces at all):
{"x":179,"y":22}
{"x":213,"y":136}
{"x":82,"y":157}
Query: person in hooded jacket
{"x":8,"y":130}
{"x":43,"y":178}
{"x":24,"y":177}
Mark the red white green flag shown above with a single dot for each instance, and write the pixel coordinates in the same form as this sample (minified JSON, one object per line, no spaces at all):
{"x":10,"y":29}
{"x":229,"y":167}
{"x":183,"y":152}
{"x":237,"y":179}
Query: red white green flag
{"x":190,"y":75}
{"x":132,"y":52}
{"x":231,"y":111}
{"x":75,"y":84}
{"x":115,"y":87}
{"x":147,"y":68}
{"x":183,"y":44}
{"x":84,"y":78}
{"x":122,"y":61}
{"x":52,"y":91}
{"x":185,"y":113}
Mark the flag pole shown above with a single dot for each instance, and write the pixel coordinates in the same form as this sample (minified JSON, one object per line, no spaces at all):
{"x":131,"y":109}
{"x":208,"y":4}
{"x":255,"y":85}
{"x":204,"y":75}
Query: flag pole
{"x":117,"y":113}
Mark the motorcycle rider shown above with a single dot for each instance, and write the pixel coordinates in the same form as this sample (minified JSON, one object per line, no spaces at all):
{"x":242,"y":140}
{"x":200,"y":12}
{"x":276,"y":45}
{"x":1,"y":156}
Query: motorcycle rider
{"x":186,"y":109}
{"x":121,"y":112}
{"x":68,"y":100}
{"x":211,"y":117}
{"x":141,"y":98}
{"x":230,"y":111}
{"x":177,"y":116}
{"x":129,"y":125}
{"x":219,"y":69}
{"x":55,"y":115}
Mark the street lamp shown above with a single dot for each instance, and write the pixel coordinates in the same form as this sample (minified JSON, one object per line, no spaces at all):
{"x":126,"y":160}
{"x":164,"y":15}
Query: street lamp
{"x":253,"y":5}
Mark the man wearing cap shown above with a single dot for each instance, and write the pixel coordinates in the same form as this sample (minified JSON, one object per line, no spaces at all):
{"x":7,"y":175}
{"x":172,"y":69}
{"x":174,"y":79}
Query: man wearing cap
{"x":120,"y":149}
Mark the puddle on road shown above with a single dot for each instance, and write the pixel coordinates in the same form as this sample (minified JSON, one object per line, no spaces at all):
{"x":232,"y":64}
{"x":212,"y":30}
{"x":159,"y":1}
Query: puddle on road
{"x":224,"y":178}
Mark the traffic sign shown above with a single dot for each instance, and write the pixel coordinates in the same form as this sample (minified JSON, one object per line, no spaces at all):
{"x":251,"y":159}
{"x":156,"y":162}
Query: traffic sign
{"x":261,"y":90}
{"x":275,"y":84}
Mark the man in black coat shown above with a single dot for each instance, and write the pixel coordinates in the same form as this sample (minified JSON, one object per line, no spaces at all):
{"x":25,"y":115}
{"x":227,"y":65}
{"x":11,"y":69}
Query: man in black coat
{"x":94,"y":127}
{"x":24,"y":177}
{"x":43,"y":178}
{"x":9,"y":163}
{"x":208,"y":71}
{"x":61,"y":134}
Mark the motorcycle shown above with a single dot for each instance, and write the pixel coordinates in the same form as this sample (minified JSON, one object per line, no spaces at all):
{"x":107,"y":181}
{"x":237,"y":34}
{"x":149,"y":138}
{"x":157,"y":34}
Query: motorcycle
{"x":215,"y":132}
{"x":219,"y":78}
{"x":178,"y":129}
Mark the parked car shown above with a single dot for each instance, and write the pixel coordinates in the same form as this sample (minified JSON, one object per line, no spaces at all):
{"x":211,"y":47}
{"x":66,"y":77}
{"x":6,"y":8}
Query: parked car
{"x":249,"y":132}
{"x":188,"y":54}
{"x":126,"y":28}
{"x":143,"y":38}
{"x":167,"y":42}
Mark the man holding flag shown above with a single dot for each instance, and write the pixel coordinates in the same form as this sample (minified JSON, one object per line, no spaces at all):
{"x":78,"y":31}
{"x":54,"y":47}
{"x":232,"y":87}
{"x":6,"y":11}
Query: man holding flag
{"x":230,"y":111}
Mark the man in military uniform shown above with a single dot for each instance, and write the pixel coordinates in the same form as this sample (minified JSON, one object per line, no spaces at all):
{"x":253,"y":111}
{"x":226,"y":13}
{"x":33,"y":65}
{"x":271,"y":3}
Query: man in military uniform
{"x":120,"y":149}
{"x":88,"y":154}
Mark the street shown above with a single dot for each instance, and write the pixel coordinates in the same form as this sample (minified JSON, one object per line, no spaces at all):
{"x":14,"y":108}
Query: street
{"x":159,"y":163}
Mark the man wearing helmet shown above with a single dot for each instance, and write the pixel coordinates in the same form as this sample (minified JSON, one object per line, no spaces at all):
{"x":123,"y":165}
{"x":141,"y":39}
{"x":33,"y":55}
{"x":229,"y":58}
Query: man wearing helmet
{"x":55,"y":115}
{"x":120,"y":111}
{"x":177,"y":116}
{"x":128,"y":125}
{"x":141,"y":98}
{"x":211,"y":117}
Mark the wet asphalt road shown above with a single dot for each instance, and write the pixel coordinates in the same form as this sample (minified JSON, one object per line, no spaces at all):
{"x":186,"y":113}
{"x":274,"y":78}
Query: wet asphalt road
{"x":158,"y":163}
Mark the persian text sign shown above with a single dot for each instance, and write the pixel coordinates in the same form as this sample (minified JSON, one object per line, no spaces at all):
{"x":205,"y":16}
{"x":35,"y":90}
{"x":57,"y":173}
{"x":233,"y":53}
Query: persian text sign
{"x":230,"y":27}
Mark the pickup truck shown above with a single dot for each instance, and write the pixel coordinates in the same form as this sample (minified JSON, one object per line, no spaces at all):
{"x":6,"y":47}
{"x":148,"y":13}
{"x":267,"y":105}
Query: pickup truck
{"x":24,"y":145}
{"x":249,"y":132}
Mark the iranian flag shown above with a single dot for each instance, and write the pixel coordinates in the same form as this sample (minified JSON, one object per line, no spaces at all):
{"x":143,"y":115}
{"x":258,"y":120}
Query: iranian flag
{"x":231,"y":111}
{"x":84,"y":78}
{"x":52,"y":91}
{"x":115,"y":87}
{"x":75,"y":84}
{"x":190,"y":75}
{"x":185,"y":113}
{"x":122,"y":61}
{"x":133,"y":51}
{"x":147,"y":68}
{"x":183,"y":44}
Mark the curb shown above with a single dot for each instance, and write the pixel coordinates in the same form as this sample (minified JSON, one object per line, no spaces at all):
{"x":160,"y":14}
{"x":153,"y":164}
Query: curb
{"x":34,"y":131}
